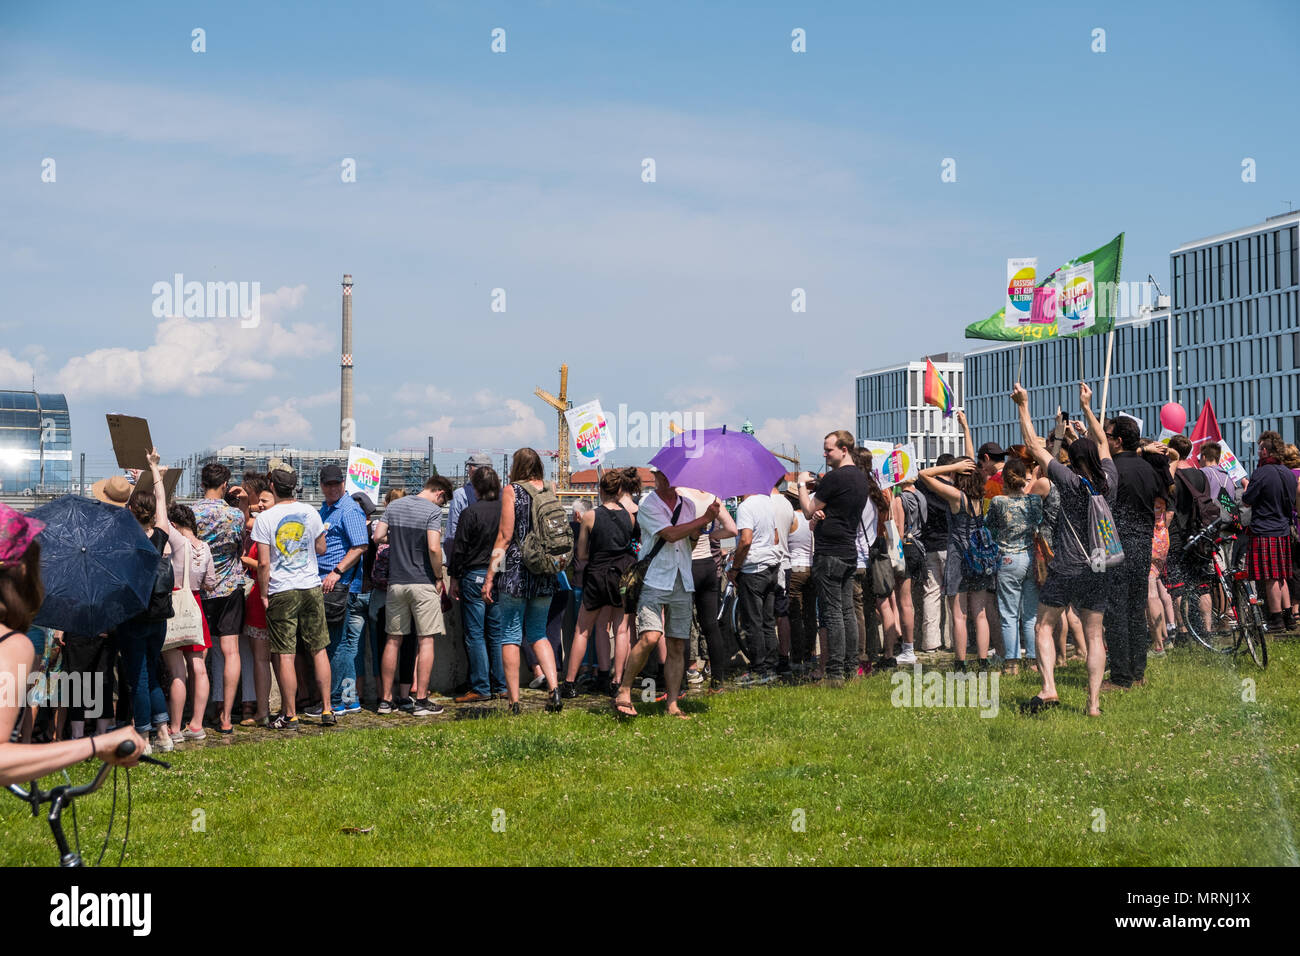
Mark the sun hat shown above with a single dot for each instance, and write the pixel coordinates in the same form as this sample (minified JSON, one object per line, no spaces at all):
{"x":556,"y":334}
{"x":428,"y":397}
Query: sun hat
{"x":113,"y":491}
{"x":16,"y":534}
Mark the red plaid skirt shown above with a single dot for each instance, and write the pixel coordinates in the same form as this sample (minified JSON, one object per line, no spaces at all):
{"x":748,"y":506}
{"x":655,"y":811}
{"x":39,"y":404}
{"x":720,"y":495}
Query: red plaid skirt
{"x":1270,"y":558}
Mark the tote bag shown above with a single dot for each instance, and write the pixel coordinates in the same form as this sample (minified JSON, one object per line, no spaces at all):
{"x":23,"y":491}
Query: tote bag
{"x":186,"y":626}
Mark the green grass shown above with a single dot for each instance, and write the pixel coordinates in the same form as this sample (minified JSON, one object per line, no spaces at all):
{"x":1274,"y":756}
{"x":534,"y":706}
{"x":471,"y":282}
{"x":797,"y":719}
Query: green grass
{"x":1185,"y":772}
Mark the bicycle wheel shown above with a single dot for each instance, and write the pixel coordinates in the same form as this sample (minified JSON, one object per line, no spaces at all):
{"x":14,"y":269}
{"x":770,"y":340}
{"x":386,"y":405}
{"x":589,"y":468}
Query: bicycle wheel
{"x":1219,"y":637}
{"x":1253,"y":633}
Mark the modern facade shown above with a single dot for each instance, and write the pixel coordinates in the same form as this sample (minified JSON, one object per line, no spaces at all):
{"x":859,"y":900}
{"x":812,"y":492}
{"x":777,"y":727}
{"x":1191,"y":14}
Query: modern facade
{"x":35,"y":443}
{"x":891,"y":407}
{"x":1236,"y":324}
{"x":1139,"y":378}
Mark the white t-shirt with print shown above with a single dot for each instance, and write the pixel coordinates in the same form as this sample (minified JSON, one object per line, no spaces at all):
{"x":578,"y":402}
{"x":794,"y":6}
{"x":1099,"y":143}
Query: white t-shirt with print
{"x":289,"y":531}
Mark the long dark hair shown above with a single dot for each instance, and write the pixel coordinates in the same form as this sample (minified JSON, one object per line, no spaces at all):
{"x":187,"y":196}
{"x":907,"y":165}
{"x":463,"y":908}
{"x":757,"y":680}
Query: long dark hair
{"x":21,"y":589}
{"x":1085,"y":461}
{"x":862,"y":458}
{"x":970,"y":484}
{"x":526,"y":465}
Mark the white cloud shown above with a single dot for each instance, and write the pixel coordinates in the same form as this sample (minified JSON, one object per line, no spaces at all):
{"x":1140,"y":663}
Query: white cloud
{"x":279,"y":421}
{"x":194,"y":356}
{"x":14,"y":372}
{"x":483,"y":419}
{"x":806,"y":431}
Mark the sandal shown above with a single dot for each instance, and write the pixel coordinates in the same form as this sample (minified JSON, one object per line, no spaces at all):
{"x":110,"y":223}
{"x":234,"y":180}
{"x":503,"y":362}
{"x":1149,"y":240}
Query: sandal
{"x":622,"y":713}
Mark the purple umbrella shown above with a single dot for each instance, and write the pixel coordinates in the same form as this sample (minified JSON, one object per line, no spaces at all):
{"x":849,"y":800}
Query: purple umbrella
{"x":721,"y":462}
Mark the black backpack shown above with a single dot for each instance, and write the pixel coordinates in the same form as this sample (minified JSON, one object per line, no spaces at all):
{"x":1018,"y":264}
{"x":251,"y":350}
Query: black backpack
{"x":1205,"y":510}
{"x":160,"y":598}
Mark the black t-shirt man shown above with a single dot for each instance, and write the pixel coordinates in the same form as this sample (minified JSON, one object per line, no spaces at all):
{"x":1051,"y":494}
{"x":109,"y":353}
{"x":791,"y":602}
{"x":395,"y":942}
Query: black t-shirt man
{"x":1139,"y":486}
{"x":843,"y":492}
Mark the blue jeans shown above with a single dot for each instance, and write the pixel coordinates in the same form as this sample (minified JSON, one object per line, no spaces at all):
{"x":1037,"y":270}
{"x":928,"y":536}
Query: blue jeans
{"x":482,"y":623}
{"x":1017,"y":603}
{"x":140,"y":642}
{"x":522,"y":619}
{"x":835,"y":603}
{"x":369,"y":637}
{"x":345,"y":636}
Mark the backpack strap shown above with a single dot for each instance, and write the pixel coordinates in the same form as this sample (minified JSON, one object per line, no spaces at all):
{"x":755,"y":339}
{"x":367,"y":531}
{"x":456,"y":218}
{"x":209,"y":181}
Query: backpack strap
{"x":654,"y":552}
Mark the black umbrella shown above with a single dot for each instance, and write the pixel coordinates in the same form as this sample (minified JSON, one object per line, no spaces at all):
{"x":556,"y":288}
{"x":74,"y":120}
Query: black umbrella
{"x":97,"y":563}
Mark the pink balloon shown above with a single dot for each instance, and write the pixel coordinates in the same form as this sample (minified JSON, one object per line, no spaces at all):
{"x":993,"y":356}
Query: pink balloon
{"x":1174,"y":417}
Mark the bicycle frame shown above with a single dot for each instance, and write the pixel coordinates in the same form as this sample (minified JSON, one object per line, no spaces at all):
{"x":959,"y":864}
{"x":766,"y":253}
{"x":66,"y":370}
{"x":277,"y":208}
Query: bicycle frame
{"x":59,"y":798}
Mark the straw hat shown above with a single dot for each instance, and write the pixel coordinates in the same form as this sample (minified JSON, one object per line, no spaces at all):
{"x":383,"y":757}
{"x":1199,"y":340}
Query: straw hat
{"x":112,"y":491}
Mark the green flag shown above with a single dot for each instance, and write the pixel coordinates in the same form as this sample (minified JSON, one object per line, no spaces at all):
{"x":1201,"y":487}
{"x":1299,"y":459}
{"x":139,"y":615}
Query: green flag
{"x":1105,"y":263}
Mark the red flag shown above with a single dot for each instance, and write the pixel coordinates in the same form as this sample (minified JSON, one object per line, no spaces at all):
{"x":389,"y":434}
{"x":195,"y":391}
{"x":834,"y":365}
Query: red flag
{"x":1207,"y":427}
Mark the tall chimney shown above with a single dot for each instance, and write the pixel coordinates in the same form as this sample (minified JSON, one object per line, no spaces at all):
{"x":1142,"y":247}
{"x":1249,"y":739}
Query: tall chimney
{"x":347,"y":425}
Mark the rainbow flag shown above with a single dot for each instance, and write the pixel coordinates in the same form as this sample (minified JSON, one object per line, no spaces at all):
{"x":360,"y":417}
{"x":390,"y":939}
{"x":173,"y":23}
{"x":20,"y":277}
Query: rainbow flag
{"x":936,"y":392}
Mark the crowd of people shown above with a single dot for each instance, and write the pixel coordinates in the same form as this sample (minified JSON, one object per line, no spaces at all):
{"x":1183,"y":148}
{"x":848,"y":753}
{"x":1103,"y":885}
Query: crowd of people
{"x":827,"y":578}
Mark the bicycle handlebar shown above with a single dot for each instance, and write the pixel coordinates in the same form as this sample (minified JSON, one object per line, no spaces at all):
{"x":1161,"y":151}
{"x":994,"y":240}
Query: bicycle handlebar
{"x":36,"y":796}
{"x":1207,"y":531}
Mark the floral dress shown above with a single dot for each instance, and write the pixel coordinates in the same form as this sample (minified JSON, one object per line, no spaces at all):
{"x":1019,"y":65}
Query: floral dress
{"x":1160,"y":541}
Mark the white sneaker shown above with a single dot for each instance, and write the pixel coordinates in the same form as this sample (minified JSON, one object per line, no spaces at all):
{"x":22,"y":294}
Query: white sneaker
{"x":165,"y":742}
{"x":906,"y":657}
{"x":537,"y":683}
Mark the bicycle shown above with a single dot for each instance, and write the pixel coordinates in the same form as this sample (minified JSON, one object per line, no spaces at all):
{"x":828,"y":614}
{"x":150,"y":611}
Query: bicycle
{"x":1236,"y":617}
{"x":63,"y":797}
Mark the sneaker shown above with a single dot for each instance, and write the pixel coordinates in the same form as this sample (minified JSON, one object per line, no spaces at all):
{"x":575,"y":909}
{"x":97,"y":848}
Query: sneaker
{"x":516,"y":709}
{"x":283,"y":722}
{"x":385,"y":707}
{"x":715,"y":686}
{"x":425,"y":708}
{"x":328,"y":719}
{"x":537,"y":683}
{"x":199,"y":734}
{"x":351,"y":707}
{"x":747,"y":679}
{"x":694,"y":677}
{"x":314,"y":711}
{"x":906,"y":658}
{"x":406,"y":705}
{"x":568,"y":691}
{"x":767,"y":677}
{"x":164,"y":741}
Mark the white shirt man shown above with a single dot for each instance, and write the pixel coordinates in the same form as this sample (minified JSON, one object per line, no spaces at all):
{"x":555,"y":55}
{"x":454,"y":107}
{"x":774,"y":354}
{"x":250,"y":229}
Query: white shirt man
{"x":665,"y":607}
{"x":756,"y":565}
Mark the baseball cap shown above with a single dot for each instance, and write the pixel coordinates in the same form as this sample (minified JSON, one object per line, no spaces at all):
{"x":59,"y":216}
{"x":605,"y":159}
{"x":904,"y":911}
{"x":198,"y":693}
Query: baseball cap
{"x":330,"y":474}
{"x":992,"y":449}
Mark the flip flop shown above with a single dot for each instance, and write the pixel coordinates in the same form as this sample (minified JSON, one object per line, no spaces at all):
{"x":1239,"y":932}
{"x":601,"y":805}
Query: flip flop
{"x":620,"y":713}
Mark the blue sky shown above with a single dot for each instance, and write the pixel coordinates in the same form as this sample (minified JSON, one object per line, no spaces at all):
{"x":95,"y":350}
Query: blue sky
{"x":522,"y":171}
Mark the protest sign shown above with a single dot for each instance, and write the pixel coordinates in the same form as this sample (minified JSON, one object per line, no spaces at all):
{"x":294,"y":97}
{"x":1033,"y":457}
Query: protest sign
{"x":364,"y":469}
{"x":590,"y":433}
{"x":891,"y":465}
{"x":1078,"y":299}
{"x":1231,"y":464}
{"x":131,"y":441}
{"x":1021,"y":274}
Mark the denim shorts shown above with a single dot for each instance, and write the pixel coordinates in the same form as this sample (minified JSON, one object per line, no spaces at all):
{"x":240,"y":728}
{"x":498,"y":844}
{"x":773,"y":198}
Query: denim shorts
{"x":520,"y":619}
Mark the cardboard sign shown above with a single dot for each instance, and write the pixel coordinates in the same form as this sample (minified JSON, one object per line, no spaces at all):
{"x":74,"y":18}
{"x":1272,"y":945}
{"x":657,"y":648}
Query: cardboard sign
{"x":590,"y":433}
{"x":1231,"y":464}
{"x":890,"y":465}
{"x":1165,"y":435}
{"x":364,"y":469}
{"x":1021,"y":277}
{"x":171,"y":478}
{"x":131,"y":441}
{"x":1133,"y":417}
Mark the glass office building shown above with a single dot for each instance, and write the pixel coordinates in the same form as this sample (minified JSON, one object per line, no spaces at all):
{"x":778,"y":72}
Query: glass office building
{"x":1139,"y":378}
{"x":35,"y":443}
{"x":1237,"y":330}
{"x":891,"y":407}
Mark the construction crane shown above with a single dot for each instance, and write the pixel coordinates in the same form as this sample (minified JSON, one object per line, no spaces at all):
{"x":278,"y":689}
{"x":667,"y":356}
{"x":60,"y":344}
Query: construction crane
{"x":794,"y":460}
{"x":561,"y":405}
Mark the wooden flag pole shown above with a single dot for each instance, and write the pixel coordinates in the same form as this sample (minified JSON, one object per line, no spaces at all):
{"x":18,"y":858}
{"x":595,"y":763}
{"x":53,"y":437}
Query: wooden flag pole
{"x":1080,"y":338}
{"x":1105,"y":382}
{"x":1020,"y":364}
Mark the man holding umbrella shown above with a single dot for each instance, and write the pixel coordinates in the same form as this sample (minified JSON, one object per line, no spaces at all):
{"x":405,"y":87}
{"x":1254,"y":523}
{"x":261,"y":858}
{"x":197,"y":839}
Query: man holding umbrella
{"x":668,"y":522}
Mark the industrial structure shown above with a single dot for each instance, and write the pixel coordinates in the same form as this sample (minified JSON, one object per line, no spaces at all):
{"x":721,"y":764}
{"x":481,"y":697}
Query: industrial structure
{"x":347,"y":423}
{"x":561,"y":404}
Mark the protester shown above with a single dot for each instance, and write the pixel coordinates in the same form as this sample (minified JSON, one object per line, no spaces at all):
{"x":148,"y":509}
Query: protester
{"x":1071,"y":579}
{"x":221,"y":527}
{"x":1190,"y":570}
{"x":755,"y":565}
{"x":667,"y":521}
{"x":346,"y":541}
{"x":258,"y":492}
{"x":840,"y":495}
{"x":1271,"y":496}
{"x":801,"y":588}
{"x":476,"y":535}
{"x":291,"y":539}
{"x":202,"y":575}
{"x":909,"y":512}
{"x":1014,"y":518}
{"x":1129,"y":583}
{"x":525,"y":596}
{"x":874,"y":575}
{"x":934,"y":538}
{"x":604,"y":552}
{"x":412,"y":527}
{"x":709,"y":584}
